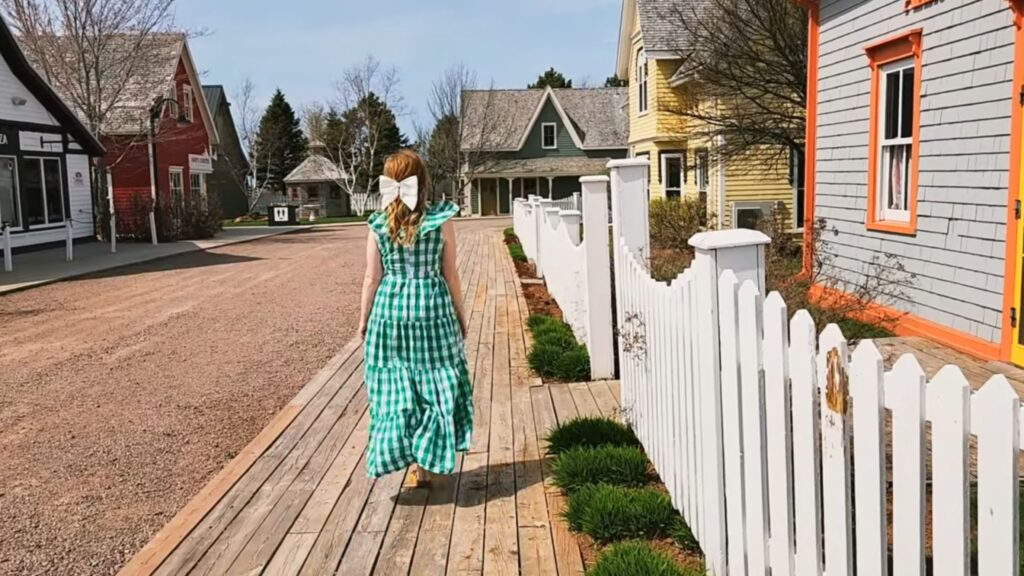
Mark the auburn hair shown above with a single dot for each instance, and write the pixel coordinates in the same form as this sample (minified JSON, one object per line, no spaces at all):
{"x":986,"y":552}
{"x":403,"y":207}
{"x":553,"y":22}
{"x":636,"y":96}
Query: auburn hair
{"x":403,"y":223}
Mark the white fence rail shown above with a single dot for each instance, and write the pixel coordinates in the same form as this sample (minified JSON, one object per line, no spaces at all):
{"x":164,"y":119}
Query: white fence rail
{"x":363,"y":203}
{"x":757,"y":424}
{"x":574,"y":202}
{"x":577,"y":274}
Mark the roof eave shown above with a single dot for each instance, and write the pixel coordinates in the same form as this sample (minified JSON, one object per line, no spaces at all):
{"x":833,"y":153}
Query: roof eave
{"x":625,"y":38}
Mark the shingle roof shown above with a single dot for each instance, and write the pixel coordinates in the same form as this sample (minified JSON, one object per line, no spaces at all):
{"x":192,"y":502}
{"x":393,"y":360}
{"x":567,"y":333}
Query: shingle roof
{"x":660,"y":22}
{"x":149,"y":73}
{"x":549,"y":165}
{"x":500,"y":119}
{"x":214,"y":98}
{"x":315,"y":169}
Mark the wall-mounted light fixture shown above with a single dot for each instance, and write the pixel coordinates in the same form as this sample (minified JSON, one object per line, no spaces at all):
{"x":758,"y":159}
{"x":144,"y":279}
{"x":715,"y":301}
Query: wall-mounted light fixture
{"x":18,"y":101}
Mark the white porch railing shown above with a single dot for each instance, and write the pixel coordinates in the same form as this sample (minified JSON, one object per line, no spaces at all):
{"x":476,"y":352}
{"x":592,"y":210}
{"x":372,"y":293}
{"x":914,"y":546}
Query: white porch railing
{"x":578,"y":275}
{"x":756,"y":424}
{"x":363,"y":203}
{"x":574,"y":202}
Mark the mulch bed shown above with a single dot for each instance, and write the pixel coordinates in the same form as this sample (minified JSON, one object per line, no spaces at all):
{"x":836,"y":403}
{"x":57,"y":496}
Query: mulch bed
{"x":538,"y":300}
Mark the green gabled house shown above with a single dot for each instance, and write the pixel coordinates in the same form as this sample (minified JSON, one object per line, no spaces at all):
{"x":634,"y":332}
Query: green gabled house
{"x":517,"y":143}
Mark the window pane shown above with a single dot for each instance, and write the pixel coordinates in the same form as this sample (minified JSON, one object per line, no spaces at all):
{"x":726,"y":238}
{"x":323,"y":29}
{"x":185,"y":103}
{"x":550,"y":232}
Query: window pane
{"x":32,"y":192}
{"x":896,"y":168}
{"x":892,"y":105}
{"x":748,"y":218}
{"x":673,"y":176}
{"x":907,"y":113}
{"x":54,"y":190}
{"x":9,"y":193}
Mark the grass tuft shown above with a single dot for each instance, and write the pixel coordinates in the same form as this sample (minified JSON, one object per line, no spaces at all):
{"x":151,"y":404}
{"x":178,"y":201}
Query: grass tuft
{"x":617,"y":465}
{"x":555,"y":353}
{"x":612,"y":513}
{"x":590,"y":433}
{"x":637,"y":559}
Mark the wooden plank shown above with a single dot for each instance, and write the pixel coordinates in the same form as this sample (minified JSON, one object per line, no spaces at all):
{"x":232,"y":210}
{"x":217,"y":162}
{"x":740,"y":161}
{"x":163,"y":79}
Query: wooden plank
{"x":229,"y":544}
{"x":616,"y":389}
{"x":284,"y":450}
{"x":605,"y":399}
{"x":565,"y":406}
{"x":465,"y":556}
{"x":483,"y":377}
{"x":334,"y":537}
{"x":264,"y":540}
{"x":364,"y":546}
{"x":290,"y":556}
{"x":400,"y":541}
{"x":185,"y":521}
{"x":431,"y":554}
{"x":585,"y":403}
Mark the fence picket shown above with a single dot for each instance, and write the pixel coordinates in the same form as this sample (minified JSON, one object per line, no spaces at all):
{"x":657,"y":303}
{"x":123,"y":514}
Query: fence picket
{"x":732,"y":421}
{"x":833,"y":382}
{"x":806,"y":461}
{"x":866,"y":377}
{"x":948,"y":404}
{"x":753,"y":429}
{"x":694,"y":426}
{"x":995,"y":410}
{"x":777,"y":434}
{"x":904,"y":394}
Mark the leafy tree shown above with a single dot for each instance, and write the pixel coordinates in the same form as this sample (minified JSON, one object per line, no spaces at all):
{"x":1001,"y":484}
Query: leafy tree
{"x":749,"y":57}
{"x":359,"y":140}
{"x":552,"y":78}
{"x":615,"y":82}
{"x":280,"y":144}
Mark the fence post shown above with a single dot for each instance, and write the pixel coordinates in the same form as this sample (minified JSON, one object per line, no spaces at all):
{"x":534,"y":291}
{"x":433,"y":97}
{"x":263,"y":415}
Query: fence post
{"x":577,"y":201}
{"x":597,"y":277}
{"x":8,"y":262}
{"x":541,"y":207}
{"x":571,"y":221}
{"x":630,"y":204}
{"x":741,"y":251}
{"x":69,"y":239}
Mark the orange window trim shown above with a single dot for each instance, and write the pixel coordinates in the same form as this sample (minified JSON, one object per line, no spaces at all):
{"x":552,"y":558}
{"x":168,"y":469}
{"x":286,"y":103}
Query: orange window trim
{"x":1016,"y":135}
{"x":905,"y":324}
{"x":911,"y":4}
{"x":904,"y":45}
{"x":811,"y":136}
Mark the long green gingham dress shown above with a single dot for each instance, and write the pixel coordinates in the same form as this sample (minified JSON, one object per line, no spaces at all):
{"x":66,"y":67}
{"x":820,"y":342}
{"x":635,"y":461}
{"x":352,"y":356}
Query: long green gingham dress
{"x":421,"y":397}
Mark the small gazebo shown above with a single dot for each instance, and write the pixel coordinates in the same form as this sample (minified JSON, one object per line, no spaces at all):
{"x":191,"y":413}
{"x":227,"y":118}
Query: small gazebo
{"x":314,"y":186}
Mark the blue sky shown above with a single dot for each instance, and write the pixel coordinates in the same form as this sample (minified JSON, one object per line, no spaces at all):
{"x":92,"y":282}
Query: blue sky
{"x":302,"y":46}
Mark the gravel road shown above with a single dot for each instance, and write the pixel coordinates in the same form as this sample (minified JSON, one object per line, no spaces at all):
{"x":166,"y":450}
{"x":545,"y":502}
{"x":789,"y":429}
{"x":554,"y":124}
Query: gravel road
{"x":122,"y":394}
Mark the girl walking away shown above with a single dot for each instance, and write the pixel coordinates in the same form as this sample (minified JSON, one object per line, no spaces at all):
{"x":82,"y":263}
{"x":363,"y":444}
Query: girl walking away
{"x":417,"y":379}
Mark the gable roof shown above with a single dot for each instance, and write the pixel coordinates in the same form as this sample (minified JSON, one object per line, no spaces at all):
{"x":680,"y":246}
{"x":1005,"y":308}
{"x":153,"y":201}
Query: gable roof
{"x":661,"y":33}
{"x":150,"y":73}
{"x":313,"y":170}
{"x":501,"y":120}
{"x":23,"y":71}
{"x":214,"y":98}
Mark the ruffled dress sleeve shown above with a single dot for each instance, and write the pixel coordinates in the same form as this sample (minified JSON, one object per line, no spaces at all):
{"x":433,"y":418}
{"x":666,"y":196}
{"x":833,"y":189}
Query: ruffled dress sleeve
{"x":437,"y":215}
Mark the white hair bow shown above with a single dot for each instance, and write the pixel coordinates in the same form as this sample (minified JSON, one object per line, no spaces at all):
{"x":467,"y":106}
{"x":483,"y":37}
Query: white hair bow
{"x":408,"y":190}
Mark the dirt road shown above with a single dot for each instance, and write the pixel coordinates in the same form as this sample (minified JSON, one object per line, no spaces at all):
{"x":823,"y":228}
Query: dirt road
{"x":122,"y":394}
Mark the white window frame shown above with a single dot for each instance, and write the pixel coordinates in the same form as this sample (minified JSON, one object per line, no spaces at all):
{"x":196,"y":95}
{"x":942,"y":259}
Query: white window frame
{"x":643,"y":102}
{"x":193,"y":177}
{"x":46,"y":193}
{"x":702,"y":175}
{"x":882,"y":201}
{"x":665,"y":157}
{"x":543,"y":132}
{"x":17,"y":194}
{"x":186,"y":99}
{"x":796,"y":174}
{"x":180,"y":173}
{"x":763,"y":207}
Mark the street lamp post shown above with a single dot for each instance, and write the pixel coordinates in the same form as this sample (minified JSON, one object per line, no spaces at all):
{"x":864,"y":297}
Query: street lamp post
{"x":155,"y":111}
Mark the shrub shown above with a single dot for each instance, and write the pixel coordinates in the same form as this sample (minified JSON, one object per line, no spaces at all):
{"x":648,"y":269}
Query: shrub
{"x":574,"y":364}
{"x":509,"y":232}
{"x":637,"y":559}
{"x":517,"y":253}
{"x":675,"y":221}
{"x":612,"y":513}
{"x":590,"y":433}
{"x":543,"y":358}
{"x":617,"y":465}
{"x":539,"y":321}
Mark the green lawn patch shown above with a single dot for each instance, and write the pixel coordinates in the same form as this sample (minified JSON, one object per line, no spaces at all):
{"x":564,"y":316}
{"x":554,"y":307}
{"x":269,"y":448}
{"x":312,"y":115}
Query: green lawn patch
{"x":612,"y":513}
{"x":590,"y":433}
{"x":555,"y":353}
{"x":637,"y":559}
{"x":616,"y":465}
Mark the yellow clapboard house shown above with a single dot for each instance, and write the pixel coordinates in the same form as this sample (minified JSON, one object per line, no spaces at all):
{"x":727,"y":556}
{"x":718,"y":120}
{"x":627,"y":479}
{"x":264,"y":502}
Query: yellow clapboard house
{"x":736,"y":191}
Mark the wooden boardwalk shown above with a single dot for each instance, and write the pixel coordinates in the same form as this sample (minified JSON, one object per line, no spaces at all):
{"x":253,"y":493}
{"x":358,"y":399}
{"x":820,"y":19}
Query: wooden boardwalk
{"x":297,"y":501}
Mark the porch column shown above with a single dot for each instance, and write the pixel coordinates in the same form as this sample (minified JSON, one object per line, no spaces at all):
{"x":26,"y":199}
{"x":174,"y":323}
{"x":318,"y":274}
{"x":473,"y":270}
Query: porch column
{"x":511,"y":194}
{"x":551,"y":187}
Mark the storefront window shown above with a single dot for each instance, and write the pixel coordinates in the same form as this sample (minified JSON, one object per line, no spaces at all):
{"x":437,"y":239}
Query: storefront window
{"x":42,"y":192}
{"x":9,"y":192}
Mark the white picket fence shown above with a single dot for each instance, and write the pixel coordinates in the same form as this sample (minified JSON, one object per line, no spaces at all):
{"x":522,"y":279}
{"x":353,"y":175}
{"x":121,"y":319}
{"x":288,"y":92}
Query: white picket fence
{"x":577,"y":273}
{"x":362,"y":203}
{"x":572,"y":203}
{"x":756,"y":424}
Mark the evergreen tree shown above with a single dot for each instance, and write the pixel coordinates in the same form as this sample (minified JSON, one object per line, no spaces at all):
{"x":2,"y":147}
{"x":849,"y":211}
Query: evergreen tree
{"x":443,"y":151}
{"x":552,"y":78}
{"x":362,"y":137}
{"x":280,"y":144}
{"x":615,"y":82}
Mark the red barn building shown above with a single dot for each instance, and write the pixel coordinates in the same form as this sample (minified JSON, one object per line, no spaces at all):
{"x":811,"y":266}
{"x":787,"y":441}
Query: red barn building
{"x":185,"y":140}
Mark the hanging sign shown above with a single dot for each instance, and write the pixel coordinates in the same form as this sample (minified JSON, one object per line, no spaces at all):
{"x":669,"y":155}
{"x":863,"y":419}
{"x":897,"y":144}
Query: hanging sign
{"x":200,"y":163}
